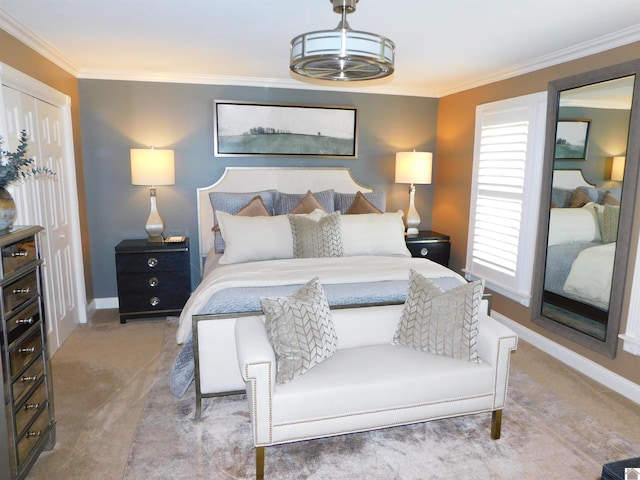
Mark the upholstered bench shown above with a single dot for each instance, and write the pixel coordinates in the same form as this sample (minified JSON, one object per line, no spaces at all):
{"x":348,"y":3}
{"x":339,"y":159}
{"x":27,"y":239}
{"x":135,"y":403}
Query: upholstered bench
{"x":369,"y":383}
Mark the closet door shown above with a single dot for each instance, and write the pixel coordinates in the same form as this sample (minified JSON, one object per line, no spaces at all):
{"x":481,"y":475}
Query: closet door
{"x":46,"y":202}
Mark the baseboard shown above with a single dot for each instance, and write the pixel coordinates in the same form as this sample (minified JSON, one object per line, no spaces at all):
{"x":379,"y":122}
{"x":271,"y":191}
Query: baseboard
{"x":567,"y":356}
{"x":104,"y":303}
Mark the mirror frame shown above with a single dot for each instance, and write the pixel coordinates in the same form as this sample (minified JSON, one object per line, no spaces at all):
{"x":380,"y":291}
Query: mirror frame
{"x":609,"y":346}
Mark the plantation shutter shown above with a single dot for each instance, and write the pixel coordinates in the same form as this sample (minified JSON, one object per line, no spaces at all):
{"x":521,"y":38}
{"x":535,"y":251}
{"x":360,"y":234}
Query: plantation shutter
{"x":505,"y":197}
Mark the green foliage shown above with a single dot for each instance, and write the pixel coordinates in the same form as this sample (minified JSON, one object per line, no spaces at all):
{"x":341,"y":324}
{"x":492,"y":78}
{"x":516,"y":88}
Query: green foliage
{"x":16,"y":166}
{"x":285,"y":143}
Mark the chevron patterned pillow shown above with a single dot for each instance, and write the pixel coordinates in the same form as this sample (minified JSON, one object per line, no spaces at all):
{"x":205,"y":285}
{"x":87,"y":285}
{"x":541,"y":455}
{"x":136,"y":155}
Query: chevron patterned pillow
{"x":300,"y":330}
{"x":319,"y":239}
{"x":435,"y":321}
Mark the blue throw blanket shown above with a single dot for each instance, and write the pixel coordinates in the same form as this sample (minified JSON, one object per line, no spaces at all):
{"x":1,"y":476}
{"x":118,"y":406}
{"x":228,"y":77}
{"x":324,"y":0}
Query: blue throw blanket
{"x":247,"y":299}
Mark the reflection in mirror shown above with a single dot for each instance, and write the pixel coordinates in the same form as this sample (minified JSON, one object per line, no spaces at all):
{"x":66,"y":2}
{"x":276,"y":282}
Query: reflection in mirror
{"x":592,"y":129}
{"x":588,"y":198}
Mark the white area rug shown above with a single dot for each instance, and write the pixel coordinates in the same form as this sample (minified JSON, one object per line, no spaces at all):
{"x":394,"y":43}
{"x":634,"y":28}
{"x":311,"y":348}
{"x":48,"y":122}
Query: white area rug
{"x":542,"y":438}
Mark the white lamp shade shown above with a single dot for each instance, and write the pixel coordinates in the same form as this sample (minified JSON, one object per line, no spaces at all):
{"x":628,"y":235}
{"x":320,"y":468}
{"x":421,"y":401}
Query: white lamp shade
{"x":617,"y":169}
{"x":413,"y":167}
{"x":152,"y":166}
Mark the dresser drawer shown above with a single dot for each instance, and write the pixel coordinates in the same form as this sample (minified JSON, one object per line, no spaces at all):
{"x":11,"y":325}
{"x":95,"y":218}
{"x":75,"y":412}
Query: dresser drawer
{"x":19,"y":292}
{"x":25,"y":351}
{"x":31,"y":437}
{"x":18,"y":254}
{"x":27,"y":379}
{"x":151,"y":261}
{"x":22,"y":321}
{"x":435,"y":251}
{"x":34,"y":405}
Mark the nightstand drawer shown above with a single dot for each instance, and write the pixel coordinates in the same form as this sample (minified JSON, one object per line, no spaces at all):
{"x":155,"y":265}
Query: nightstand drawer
{"x":150,"y":262}
{"x":140,"y":302}
{"x":436,"y":251}
{"x":153,"y":282}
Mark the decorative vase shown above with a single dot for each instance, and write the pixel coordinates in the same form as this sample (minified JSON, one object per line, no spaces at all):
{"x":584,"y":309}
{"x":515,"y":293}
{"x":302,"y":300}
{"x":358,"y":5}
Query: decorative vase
{"x":7,"y":210}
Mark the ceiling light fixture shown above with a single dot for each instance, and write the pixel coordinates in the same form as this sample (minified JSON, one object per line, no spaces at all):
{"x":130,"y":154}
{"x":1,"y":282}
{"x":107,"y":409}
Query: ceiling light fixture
{"x":342,"y":54}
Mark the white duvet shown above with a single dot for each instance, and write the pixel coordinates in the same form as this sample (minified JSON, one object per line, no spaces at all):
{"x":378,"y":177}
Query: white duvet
{"x":298,"y":271}
{"x":590,"y":277}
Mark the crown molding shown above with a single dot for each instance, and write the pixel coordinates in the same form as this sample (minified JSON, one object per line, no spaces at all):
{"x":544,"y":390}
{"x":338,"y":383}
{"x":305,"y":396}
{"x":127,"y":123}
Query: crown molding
{"x":598,"y":45}
{"x":33,"y":41}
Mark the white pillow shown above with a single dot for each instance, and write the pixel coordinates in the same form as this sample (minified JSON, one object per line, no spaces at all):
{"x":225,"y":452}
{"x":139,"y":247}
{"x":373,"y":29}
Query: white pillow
{"x":569,"y":225}
{"x":374,"y":234}
{"x":249,"y":239}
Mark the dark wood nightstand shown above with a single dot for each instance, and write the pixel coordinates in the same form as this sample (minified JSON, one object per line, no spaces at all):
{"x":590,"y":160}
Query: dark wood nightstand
{"x":430,"y":245}
{"x":154,"y":279}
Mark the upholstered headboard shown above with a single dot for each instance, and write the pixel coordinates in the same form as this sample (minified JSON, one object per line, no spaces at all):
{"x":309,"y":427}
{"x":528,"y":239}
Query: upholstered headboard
{"x":569,"y":179}
{"x":252,"y":179}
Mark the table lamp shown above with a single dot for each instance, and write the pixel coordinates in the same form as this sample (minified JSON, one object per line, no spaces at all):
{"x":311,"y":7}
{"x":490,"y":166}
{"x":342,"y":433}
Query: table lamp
{"x":151,"y":166}
{"x":617,"y":169}
{"x":413,"y":167}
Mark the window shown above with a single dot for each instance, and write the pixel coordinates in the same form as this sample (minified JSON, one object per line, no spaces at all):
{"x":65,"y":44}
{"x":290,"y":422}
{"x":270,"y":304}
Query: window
{"x":505,"y":194}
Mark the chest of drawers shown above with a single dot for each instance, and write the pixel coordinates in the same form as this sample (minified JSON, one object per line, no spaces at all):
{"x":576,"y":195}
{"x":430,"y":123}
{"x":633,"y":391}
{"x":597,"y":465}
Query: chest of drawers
{"x":154,"y":279}
{"x":27,"y":426}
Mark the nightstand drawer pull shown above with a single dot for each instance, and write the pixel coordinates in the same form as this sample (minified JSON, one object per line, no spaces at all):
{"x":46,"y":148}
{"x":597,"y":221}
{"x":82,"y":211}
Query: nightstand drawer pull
{"x":154,"y":301}
{"x":20,"y":253}
{"x":153,"y":282}
{"x":27,"y":350}
{"x":152,"y":262}
{"x":25,"y":321}
{"x":424,"y":251}
{"x":26,"y":379}
{"x":21,"y":291}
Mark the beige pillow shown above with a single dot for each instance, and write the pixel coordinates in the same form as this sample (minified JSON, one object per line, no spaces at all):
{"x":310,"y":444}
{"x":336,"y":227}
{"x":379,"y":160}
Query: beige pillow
{"x":362,"y":205}
{"x":300,"y":330}
{"x":255,"y":208}
{"x":610,"y":199}
{"x":439,"y":322}
{"x":316,"y":239}
{"x":579,"y":199}
{"x":307,"y":205}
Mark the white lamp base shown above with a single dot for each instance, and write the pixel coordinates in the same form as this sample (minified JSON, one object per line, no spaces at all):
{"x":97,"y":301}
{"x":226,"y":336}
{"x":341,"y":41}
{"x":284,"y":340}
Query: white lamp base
{"x":155,"y":224}
{"x":413,"y":219}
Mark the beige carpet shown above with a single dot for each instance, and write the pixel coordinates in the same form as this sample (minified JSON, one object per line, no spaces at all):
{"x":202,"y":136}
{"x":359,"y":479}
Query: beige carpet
{"x":543,"y":436}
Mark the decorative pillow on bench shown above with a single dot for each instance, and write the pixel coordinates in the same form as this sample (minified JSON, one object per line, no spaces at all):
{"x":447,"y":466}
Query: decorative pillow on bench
{"x":435,"y":321}
{"x":300,"y":330}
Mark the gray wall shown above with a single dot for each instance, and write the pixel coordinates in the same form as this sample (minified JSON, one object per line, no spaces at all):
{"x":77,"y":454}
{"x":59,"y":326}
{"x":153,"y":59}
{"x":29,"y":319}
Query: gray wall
{"x":119,"y":115}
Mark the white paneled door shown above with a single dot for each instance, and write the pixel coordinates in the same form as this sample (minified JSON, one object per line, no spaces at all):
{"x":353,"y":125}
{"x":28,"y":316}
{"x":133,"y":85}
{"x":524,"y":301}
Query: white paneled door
{"x":49,"y":202}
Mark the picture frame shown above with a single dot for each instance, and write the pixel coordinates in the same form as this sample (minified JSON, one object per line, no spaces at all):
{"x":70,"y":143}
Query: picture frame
{"x":246,"y":129}
{"x":571,"y":139}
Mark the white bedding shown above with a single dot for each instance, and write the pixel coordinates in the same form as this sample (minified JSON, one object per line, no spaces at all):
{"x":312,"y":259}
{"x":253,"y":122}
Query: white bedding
{"x":590,"y":277}
{"x":298,"y":271}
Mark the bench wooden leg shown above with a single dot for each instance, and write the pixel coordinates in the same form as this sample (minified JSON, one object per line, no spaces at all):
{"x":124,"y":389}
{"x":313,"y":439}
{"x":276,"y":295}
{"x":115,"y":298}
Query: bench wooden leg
{"x":496,"y":423}
{"x":259,"y":463}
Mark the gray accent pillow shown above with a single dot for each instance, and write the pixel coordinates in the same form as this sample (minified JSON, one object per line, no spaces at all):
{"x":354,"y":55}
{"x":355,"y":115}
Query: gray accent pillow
{"x":286,"y":202}
{"x":343,"y":201}
{"x":561,"y":197}
{"x":300,"y":330}
{"x":232,"y":203}
{"x":443,"y":323}
{"x":319,"y":239}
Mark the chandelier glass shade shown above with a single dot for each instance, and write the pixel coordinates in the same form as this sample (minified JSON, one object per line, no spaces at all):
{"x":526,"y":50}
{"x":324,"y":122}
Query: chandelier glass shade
{"x":342,"y":54}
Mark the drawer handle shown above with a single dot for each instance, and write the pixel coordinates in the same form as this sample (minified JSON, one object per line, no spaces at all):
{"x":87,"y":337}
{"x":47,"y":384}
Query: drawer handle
{"x":424,"y":251}
{"x":21,"y":291}
{"x":27,"y":350}
{"x":37,"y":433}
{"x":152,"y":262}
{"x":31,"y":406}
{"x":25,"y":321}
{"x":153,"y":282}
{"x":34,"y":378}
{"x":154,"y":301}
{"x":20,"y":253}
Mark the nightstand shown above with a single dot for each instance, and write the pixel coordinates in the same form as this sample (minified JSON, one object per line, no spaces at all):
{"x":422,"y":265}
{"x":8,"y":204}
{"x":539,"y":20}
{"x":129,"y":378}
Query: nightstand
{"x":430,"y":245}
{"x":154,"y":279}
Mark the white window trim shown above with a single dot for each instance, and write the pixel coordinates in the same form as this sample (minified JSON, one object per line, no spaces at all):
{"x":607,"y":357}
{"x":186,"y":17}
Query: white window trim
{"x":534,"y":108}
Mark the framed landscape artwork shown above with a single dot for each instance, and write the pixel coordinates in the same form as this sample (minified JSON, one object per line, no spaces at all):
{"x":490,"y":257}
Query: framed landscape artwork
{"x":243,"y":129}
{"x":571,"y":139}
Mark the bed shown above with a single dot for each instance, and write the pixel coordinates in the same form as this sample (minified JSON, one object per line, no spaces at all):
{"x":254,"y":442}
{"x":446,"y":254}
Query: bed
{"x":583,"y":225}
{"x":371,"y":272}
